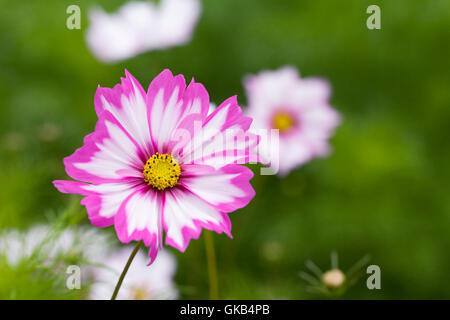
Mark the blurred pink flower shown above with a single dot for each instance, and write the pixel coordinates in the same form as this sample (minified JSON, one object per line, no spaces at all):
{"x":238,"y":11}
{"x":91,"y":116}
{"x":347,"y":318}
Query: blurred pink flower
{"x":138,"y":27}
{"x":298,"y":108}
{"x":140,"y":177}
{"x":141,"y":283}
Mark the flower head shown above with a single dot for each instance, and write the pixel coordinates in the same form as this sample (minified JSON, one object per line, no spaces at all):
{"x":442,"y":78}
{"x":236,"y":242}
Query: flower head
{"x":138,"y":27}
{"x":298,"y":108}
{"x":158,"y":161}
{"x":141,"y":283}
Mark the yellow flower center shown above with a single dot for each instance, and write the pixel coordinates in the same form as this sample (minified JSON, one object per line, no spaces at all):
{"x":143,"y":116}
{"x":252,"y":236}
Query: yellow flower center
{"x":283,"y":121}
{"x":139,"y":294}
{"x":161,"y":171}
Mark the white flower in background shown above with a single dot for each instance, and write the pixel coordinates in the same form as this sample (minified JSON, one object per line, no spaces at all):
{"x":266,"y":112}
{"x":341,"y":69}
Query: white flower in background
{"x":298,"y":108}
{"x":93,"y":247}
{"x":141,"y":282}
{"x":17,"y":245}
{"x":138,"y":27}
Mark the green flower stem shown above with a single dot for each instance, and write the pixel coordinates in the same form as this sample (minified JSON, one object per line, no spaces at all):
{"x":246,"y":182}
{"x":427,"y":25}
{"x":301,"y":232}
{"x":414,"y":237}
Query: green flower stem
{"x":124,"y":272}
{"x":212,"y":266}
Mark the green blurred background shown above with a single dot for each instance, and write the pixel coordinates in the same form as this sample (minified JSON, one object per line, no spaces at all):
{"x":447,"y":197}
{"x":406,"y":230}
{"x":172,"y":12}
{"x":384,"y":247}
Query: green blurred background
{"x":384,"y":191}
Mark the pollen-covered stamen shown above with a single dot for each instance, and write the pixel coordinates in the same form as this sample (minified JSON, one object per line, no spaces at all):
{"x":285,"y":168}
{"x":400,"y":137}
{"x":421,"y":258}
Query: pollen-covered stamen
{"x":161,"y":171}
{"x":283,"y":121}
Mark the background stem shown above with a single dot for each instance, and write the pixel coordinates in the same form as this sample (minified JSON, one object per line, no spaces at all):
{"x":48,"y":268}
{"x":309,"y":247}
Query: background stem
{"x":212,"y":266}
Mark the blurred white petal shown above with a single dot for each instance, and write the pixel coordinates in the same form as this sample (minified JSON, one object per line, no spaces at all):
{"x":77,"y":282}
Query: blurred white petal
{"x":141,"y":282}
{"x":138,"y":27}
{"x":87,"y":243}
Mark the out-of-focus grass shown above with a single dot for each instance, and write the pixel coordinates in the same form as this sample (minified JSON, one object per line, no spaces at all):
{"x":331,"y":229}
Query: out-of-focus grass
{"x":383,"y":191}
{"x":38,"y":273}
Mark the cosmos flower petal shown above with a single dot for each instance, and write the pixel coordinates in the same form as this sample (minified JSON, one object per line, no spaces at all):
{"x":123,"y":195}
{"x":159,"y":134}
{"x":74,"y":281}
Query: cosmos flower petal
{"x":139,"y":218}
{"x":109,"y":154}
{"x":320,"y":121}
{"x":223,"y":139}
{"x":196,"y":100}
{"x":110,"y":38}
{"x":312,"y":90}
{"x":293,"y":157}
{"x":270,"y":87}
{"x":228,"y":115}
{"x":67,"y":186}
{"x":170,"y":102}
{"x":177,"y":21}
{"x":226,"y":189}
{"x":164,"y":100}
{"x":127,"y":103}
{"x":102,"y":201}
{"x":185,"y":215}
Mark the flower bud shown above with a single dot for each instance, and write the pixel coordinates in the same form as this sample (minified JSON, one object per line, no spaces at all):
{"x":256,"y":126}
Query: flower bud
{"x":333,"y":278}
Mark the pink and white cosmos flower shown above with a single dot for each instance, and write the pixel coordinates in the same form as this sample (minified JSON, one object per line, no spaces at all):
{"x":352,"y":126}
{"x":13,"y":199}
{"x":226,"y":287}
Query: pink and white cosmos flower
{"x":158,"y":161}
{"x":298,"y":108}
{"x":139,"y":26}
